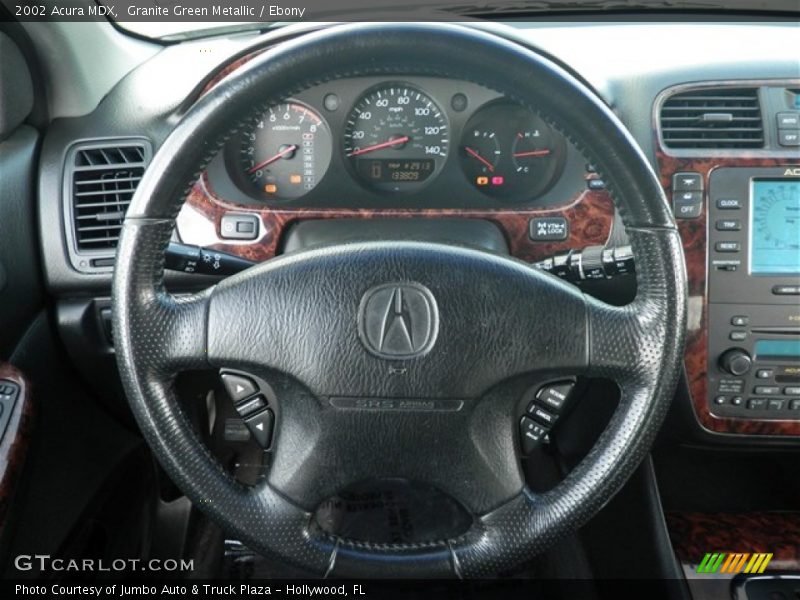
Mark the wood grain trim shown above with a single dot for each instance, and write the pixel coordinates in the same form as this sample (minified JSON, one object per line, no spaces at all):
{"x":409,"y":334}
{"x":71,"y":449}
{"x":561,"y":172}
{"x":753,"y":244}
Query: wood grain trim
{"x":14,"y":444}
{"x":589,"y":213}
{"x":694,"y":234}
{"x":693,"y":534}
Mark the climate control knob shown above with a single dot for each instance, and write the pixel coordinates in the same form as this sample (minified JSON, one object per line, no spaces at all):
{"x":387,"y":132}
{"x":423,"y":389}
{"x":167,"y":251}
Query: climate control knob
{"x":735,"y":361}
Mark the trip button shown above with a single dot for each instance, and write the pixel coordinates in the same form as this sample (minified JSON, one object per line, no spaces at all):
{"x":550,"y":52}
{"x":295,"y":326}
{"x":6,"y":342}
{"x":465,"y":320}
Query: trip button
{"x":239,"y":227}
{"x":728,"y":225}
{"x":238,"y":386}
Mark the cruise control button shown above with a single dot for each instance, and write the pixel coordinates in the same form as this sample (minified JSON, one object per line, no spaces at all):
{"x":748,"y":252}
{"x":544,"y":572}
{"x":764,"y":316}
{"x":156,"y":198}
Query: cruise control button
{"x":544,"y":417}
{"x":531,"y":434}
{"x":239,"y":227}
{"x":554,"y":395}
{"x":260,"y":426}
{"x":238,"y":386}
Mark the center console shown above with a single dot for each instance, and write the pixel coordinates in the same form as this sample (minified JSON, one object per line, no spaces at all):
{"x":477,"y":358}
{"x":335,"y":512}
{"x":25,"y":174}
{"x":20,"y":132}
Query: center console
{"x":754,"y":293}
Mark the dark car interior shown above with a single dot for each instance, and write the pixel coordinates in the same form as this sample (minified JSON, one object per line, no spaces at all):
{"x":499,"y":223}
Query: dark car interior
{"x":515,"y":297}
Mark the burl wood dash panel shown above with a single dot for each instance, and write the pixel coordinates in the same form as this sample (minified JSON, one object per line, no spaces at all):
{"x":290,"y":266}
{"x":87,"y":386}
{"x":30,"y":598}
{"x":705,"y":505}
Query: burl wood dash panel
{"x":14,"y":444}
{"x":693,"y":534}
{"x":695,"y":241}
{"x":589,"y":213}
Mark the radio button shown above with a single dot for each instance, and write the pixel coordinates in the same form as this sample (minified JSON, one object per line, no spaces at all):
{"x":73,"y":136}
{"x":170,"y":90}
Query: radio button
{"x":774,"y":404}
{"x":786,"y":290}
{"x":791,"y":391}
{"x":740,"y":321}
{"x":757,"y":404}
{"x":687,"y":182}
{"x":767,"y":390}
{"x":729,"y":204}
{"x":738,"y":336}
{"x":735,"y":361}
{"x":737,"y":400}
{"x":728,"y":225}
{"x":728,"y":247}
{"x":794,"y":404}
{"x":764,"y":374}
{"x":720,"y":400}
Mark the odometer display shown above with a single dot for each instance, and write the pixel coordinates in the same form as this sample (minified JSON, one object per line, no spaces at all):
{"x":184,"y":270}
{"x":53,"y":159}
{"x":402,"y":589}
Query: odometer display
{"x":396,"y":138}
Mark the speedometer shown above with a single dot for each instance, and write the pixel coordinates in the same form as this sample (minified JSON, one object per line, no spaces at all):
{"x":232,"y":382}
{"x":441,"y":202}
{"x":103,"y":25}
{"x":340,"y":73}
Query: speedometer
{"x":396,"y":138}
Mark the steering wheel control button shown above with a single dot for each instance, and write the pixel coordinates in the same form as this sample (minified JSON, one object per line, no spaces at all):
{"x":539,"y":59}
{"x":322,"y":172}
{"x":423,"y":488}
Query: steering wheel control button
{"x":531,"y":434}
{"x":543,"y":416}
{"x":687,"y":182}
{"x":260,"y":426}
{"x":398,"y":320}
{"x":236,"y":431}
{"x":252,"y":406}
{"x":239,"y":227}
{"x":554,"y":396}
{"x":238,"y":387}
{"x":546,"y":229}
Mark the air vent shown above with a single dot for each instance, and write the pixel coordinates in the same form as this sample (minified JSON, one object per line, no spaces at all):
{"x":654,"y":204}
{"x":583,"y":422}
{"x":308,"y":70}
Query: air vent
{"x":713,"y":118}
{"x":102,"y":181}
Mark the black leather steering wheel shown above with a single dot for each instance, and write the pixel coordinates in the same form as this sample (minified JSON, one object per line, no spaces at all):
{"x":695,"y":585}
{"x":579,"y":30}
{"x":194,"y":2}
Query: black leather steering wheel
{"x":498,"y":320}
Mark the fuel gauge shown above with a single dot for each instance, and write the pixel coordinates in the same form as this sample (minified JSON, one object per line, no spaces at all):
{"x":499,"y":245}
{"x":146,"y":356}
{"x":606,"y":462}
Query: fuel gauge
{"x":510,"y":153}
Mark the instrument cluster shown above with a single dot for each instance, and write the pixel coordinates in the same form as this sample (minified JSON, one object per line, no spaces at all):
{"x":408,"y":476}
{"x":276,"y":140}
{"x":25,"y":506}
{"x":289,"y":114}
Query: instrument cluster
{"x":414,"y":142}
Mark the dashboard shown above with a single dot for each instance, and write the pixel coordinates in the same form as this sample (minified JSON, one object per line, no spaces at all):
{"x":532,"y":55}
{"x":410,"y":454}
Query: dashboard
{"x":411,"y":142}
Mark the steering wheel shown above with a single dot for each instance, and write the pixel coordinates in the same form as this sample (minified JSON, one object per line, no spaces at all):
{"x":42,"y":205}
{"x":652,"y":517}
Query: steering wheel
{"x":482,"y":320}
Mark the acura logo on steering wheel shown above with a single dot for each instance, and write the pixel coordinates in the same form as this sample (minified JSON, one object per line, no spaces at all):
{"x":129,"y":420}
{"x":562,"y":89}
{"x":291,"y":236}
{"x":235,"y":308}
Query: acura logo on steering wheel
{"x":398,"y":320}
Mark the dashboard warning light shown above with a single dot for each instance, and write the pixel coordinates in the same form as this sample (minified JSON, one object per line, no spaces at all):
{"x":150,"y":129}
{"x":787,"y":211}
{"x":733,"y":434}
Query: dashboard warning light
{"x":482,"y":181}
{"x":497,"y":180}
{"x":295,"y":179}
{"x":270,"y":188}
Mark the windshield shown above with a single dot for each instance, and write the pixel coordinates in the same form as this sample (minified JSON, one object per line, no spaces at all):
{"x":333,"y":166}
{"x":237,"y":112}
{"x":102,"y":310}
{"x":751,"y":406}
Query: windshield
{"x":175,"y":20}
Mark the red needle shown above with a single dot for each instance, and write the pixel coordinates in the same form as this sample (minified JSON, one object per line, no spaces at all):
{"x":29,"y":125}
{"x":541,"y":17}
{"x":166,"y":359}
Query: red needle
{"x":394,"y":142}
{"x":474,"y":154}
{"x":544,"y":152}
{"x":269,"y":161}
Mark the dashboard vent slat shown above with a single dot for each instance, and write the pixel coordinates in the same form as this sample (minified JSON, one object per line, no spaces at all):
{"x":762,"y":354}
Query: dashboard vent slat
{"x":102,"y":182}
{"x":712,"y":119}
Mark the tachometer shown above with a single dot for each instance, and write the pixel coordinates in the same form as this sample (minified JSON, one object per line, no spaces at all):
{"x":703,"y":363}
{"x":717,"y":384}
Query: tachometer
{"x":396,"y":138}
{"x":287,"y":152}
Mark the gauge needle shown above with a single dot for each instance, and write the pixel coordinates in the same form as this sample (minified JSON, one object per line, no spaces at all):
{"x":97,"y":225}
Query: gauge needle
{"x":476,"y":155}
{"x":269,"y":161}
{"x":390,"y":143}
{"x":544,"y":152}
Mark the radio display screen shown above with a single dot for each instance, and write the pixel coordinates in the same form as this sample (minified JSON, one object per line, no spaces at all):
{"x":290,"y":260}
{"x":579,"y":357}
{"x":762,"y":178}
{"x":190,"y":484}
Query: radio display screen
{"x":778,"y":349}
{"x":775,"y":227}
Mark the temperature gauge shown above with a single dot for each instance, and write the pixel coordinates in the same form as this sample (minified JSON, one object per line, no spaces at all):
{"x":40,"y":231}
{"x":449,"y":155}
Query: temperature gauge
{"x":508,"y":152}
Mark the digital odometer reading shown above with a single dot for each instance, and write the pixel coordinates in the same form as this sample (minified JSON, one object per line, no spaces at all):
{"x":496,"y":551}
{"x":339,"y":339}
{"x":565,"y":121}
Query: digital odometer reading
{"x":396,"y":138}
{"x":775,"y":227}
{"x":388,"y":170}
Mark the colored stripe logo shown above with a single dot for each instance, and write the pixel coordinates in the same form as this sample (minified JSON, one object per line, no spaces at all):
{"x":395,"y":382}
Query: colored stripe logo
{"x":720,"y":562}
